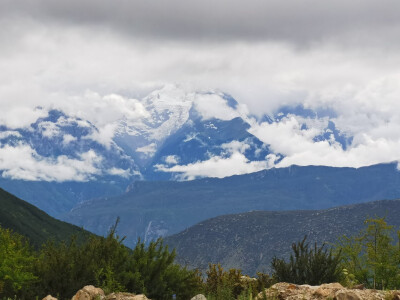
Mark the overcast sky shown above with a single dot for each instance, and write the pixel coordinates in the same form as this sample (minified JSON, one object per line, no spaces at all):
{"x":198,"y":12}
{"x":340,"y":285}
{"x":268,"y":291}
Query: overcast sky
{"x":338,"y":54}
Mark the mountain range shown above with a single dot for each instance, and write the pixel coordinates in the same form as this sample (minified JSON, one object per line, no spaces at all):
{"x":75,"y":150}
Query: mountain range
{"x":63,"y":159}
{"x":158,"y":208}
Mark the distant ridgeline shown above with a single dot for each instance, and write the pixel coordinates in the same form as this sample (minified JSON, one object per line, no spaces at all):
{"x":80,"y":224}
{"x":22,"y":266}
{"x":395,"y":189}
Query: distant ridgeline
{"x":249,"y":241}
{"x":153,"y":209}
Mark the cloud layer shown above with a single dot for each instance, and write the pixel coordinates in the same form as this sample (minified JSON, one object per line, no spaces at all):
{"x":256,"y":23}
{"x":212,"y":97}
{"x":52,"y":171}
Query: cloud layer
{"x":23,"y":162}
{"x":94,"y":59}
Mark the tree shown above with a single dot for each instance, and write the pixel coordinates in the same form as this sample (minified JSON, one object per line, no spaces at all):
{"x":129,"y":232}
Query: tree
{"x":371,"y":257}
{"x":308,"y":265}
{"x":16,"y":260}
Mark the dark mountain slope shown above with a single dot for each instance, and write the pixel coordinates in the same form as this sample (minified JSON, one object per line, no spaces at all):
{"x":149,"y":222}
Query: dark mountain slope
{"x":33,"y":223}
{"x":151,"y":209}
{"x":250,"y":240}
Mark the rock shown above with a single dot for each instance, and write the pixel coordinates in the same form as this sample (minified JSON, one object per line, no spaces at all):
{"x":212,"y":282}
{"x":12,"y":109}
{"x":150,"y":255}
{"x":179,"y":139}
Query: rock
{"x":395,"y":295}
{"x":327,"y":290}
{"x":334,"y":285}
{"x":347,"y":295}
{"x":125,"y":296}
{"x":199,"y":297}
{"x":140,"y":297}
{"x":120,"y":296}
{"x":89,"y":292}
{"x":49,"y":297}
{"x":288,"y":291}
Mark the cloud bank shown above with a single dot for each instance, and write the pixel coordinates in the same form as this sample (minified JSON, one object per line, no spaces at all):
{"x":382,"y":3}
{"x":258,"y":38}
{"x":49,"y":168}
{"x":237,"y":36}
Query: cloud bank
{"x":23,"y":162}
{"x":95,"y":59}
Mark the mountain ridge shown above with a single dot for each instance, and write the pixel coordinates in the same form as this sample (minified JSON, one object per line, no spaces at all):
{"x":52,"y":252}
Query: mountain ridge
{"x":33,"y":223}
{"x":152,"y":209}
{"x":250,"y":240}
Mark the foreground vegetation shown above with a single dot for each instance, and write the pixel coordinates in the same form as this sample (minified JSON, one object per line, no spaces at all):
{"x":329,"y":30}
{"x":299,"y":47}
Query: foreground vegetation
{"x":63,"y":268}
{"x":371,"y":257}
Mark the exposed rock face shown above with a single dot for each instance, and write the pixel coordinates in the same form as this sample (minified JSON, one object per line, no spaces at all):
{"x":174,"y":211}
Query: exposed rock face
{"x":49,"y":297}
{"x":288,"y":291}
{"x":199,"y":297}
{"x":89,"y":292}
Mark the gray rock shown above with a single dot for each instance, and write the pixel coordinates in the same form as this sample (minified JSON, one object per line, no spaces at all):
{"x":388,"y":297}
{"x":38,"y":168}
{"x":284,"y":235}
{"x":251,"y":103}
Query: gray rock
{"x":199,"y":297}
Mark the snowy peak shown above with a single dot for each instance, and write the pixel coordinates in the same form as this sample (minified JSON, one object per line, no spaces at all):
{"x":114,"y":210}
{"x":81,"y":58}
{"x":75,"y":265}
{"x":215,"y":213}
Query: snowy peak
{"x":60,"y":148}
{"x":167,"y":111}
{"x":171,"y":133}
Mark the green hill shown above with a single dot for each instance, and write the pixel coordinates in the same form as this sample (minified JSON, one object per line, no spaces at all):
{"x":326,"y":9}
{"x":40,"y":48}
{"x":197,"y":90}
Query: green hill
{"x":33,"y":223}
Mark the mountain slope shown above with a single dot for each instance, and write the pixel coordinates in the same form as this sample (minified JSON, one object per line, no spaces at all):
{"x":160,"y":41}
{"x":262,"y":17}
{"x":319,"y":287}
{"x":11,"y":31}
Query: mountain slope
{"x":152,"y":209}
{"x":33,"y":223}
{"x":250,"y":240}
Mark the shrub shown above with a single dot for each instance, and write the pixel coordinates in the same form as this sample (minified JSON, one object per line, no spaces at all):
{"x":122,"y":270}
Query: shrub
{"x":105,"y":262}
{"x":308,"y":265}
{"x":16,"y":261}
{"x":151,"y":270}
{"x":232,"y":284}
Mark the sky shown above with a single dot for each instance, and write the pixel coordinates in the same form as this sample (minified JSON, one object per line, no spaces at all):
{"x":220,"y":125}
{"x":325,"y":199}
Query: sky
{"x":341,"y":55}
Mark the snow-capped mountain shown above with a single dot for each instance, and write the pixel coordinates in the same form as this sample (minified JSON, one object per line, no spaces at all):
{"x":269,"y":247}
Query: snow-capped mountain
{"x":171,"y":134}
{"x":186,"y":128}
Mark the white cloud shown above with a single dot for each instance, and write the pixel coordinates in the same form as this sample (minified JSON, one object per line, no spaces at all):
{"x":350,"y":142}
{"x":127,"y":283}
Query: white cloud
{"x":297,"y":146}
{"x":49,"y":129}
{"x":236,"y":146}
{"x":353,"y":72}
{"x":171,"y":159}
{"x":67,"y":138}
{"x":147,"y":150}
{"x":6,"y":134}
{"x":216,"y":166}
{"x":214,"y":106}
{"x":19,"y":116}
{"x":104,"y":135}
{"x":119,"y":172}
{"x":22,"y":162}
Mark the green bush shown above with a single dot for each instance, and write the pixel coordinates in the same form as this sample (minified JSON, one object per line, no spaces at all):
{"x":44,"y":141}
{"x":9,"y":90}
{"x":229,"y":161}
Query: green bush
{"x":151,"y":270}
{"x":105,"y":262}
{"x":308,"y":265}
{"x":222,"y":285}
{"x":16,"y":261}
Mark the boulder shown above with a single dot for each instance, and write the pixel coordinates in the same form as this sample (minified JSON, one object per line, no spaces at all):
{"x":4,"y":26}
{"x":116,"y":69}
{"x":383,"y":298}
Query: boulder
{"x":49,"y":297}
{"x":199,"y":297}
{"x":125,"y":296}
{"x":288,"y":291}
{"x":327,"y":290}
{"x":395,"y":295}
{"x":120,"y":296}
{"x":89,"y":292}
{"x":140,"y":297}
{"x":347,"y":295}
